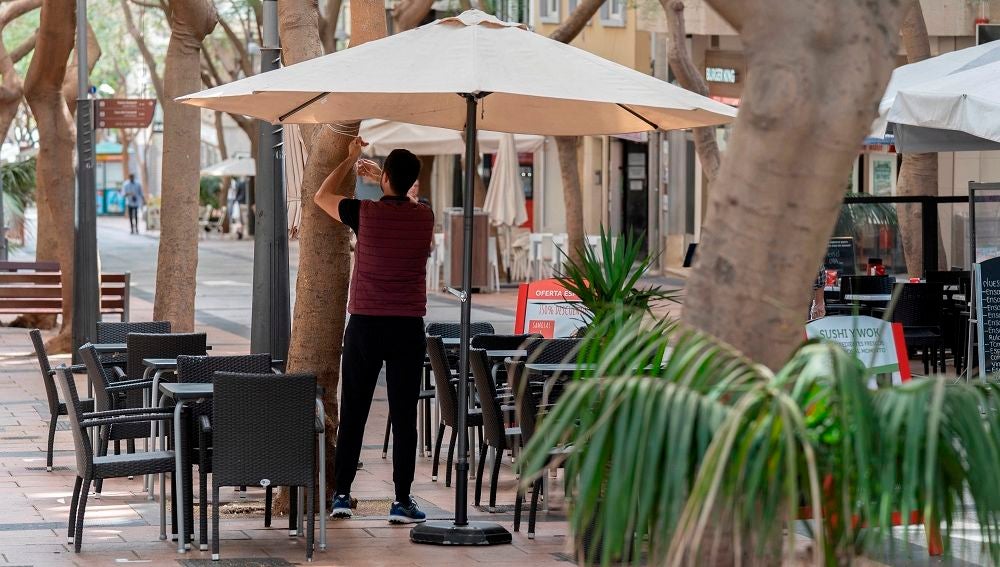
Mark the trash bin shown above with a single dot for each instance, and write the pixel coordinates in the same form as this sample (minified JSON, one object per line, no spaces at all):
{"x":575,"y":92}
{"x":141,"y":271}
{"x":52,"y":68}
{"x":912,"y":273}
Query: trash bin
{"x":454,"y":241}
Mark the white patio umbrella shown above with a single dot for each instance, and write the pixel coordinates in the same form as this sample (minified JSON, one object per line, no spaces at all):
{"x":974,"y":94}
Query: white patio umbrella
{"x":946,"y":103}
{"x":468,"y":72}
{"x":232,"y":167}
{"x":383,"y":136}
{"x":504,"y":204}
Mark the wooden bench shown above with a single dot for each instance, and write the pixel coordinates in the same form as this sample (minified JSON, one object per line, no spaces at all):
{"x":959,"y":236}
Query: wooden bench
{"x":36,"y":288}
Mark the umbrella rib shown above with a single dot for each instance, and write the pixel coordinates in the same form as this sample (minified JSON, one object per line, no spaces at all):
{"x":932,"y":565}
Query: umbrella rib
{"x":301,"y":106}
{"x":639,"y":116}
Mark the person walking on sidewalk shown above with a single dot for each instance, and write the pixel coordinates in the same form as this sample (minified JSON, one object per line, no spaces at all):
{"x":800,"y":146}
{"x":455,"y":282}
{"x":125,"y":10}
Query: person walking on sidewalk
{"x":388,"y":300}
{"x":134,"y":199}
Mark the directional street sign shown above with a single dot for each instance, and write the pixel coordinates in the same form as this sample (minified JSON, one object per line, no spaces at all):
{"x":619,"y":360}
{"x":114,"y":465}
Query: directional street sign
{"x":124,"y":112}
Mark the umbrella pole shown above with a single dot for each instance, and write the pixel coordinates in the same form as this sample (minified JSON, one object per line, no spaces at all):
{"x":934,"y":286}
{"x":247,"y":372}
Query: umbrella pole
{"x":462,"y":531}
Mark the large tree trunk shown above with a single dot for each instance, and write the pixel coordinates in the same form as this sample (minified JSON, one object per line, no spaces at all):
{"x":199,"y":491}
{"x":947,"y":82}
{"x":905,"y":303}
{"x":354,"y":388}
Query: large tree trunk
{"x":324,"y":253}
{"x":919,"y":173}
{"x":768,"y":222}
{"x":57,"y":137}
{"x":190,"y":22}
{"x":11,"y":89}
{"x":569,"y":161}
{"x":691,"y":79}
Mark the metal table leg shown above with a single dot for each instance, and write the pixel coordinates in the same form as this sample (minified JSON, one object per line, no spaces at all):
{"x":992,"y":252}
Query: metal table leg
{"x":179,"y":478}
{"x":321,"y":415}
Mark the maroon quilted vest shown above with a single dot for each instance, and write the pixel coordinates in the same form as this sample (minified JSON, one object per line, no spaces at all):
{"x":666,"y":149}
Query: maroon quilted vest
{"x":390,"y":259}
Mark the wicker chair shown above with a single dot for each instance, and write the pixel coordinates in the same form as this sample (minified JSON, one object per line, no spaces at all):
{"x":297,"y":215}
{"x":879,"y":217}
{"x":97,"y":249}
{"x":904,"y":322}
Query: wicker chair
{"x":553,"y":351}
{"x":496,"y":434}
{"x":117,"y":332}
{"x":271,"y":418}
{"x":454,"y":330}
{"x":91,"y":468}
{"x":56,"y":408}
{"x":919,"y":310}
{"x":448,"y":404}
{"x":198,"y":450}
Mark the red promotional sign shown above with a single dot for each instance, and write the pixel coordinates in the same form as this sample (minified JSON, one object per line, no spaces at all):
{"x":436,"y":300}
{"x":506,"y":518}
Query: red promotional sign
{"x":547,"y":308}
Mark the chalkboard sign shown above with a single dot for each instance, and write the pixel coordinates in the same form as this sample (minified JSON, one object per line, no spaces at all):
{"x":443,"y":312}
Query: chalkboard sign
{"x":840,"y":256}
{"x":988,"y":305}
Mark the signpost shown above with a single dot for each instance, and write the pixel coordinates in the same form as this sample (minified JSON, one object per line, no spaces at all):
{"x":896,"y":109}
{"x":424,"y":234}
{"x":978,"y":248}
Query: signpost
{"x":546,"y":307}
{"x":878,"y":344}
{"x":124,"y":112}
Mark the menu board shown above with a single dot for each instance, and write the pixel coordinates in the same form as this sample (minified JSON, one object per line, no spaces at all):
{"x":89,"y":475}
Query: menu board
{"x":988,"y":306}
{"x":840,"y":256}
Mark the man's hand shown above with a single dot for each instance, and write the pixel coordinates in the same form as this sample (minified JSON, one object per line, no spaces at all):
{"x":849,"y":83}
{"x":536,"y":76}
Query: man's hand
{"x":370,"y":170}
{"x":414,"y":193}
{"x":354,"y":150}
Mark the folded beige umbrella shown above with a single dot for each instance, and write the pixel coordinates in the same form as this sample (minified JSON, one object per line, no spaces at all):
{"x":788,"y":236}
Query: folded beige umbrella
{"x":469,"y":72}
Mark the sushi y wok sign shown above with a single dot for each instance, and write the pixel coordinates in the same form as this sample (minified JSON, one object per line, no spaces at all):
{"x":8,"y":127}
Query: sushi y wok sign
{"x":878,"y":344}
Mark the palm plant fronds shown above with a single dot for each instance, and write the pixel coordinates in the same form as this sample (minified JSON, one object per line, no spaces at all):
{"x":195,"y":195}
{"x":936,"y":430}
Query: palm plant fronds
{"x":607,"y":283}
{"x":854,"y":217}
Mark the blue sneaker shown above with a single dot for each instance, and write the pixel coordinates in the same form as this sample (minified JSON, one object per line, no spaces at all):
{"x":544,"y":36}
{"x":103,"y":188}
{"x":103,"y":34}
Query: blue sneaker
{"x":342,"y":506}
{"x":406,"y":513}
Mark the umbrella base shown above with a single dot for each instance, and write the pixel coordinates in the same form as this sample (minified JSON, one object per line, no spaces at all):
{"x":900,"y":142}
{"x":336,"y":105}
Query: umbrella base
{"x":445,"y":532}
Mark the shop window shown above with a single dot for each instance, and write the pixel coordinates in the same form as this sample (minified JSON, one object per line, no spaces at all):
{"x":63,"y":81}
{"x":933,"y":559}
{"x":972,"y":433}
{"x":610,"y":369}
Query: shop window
{"x":613,"y":13}
{"x":548,"y":11}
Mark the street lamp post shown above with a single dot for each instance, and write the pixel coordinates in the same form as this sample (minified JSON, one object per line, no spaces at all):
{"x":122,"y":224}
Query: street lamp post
{"x":271,"y":313}
{"x":86,"y":305}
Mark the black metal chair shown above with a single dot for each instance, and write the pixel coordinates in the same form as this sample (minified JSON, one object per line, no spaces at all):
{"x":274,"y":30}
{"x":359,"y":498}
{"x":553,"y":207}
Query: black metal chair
{"x":553,"y":351}
{"x":919,"y":311}
{"x":495,"y":432}
{"x":117,"y":332}
{"x":448,"y":404}
{"x":90,"y":468}
{"x":56,"y":408}
{"x":454,"y":330}
{"x":198,"y":448}
{"x":264,"y":433}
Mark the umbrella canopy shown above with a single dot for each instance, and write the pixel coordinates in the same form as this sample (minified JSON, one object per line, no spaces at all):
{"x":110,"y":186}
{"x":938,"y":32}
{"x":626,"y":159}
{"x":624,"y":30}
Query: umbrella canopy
{"x":535,"y":85}
{"x":232,"y":167}
{"x":505,"y":197}
{"x":383,"y":136}
{"x":946,"y":103}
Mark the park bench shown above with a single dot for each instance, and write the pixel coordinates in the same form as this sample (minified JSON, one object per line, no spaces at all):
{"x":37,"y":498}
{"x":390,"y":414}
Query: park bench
{"x":35,"y":288}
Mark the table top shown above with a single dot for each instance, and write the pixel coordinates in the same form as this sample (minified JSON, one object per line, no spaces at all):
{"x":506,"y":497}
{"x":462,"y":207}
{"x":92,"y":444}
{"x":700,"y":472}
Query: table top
{"x":187,"y":390}
{"x":160,"y":363}
{"x":104,"y":348}
{"x":515,"y":353}
{"x":558,"y":367}
{"x":868,"y":296}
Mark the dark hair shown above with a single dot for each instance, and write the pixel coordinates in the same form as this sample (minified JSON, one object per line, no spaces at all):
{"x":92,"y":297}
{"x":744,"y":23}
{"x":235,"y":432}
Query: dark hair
{"x":403,"y":169}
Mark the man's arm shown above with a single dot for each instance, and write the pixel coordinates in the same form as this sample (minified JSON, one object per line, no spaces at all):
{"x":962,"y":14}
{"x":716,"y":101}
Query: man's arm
{"x":326,"y":196}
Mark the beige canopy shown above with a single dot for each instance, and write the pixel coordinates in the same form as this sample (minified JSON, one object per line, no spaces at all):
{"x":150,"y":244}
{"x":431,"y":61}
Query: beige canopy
{"x":530,"y":85}
{"x":383,"y":136}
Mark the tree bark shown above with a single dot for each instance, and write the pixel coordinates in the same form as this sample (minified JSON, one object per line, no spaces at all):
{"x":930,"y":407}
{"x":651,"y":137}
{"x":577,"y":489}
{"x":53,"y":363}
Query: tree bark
{"x":12,"y":88}
{"x":569,"y":161}
{"x":190,"y":22}
{"x":409,"y":13}
{"x":918,"y":174}
{"x":324,"y":254}
{"x":328,"y":25}
{"x":780,"y":187}
{"x":57,"y":137}
{"x":689,"y":77}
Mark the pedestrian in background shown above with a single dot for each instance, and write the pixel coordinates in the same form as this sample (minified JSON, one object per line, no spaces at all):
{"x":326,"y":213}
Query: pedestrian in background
{"x":134,"y":199}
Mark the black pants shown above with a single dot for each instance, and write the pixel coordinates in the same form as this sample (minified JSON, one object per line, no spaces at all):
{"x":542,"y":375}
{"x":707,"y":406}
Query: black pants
{"x":368,"y":342}
{"x":133,"y":218}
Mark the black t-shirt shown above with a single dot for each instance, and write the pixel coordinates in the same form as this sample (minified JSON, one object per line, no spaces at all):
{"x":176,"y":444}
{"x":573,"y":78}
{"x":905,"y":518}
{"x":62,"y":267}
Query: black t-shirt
{"x":350,"y":210}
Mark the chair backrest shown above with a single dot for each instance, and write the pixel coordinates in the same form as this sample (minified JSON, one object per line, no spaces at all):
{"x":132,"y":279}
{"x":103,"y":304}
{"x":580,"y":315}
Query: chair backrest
{"x":81,"y":438}
{"x":263,"y":428}
{"x":115,"y":332}
{"x":919,"y":305}
{"x":526,"y":404}
{"x":493,"y":422}
{"x":488,"y":341}
{"x":454,"y":330}
{"x":865,"y":285}
{"x":156,"y":345}
{"x":194,"y":368}
{"x":553,"y":351}
{"x":98,"y":377}
{"x":443,"y":389}
{"x":43,"y":364}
